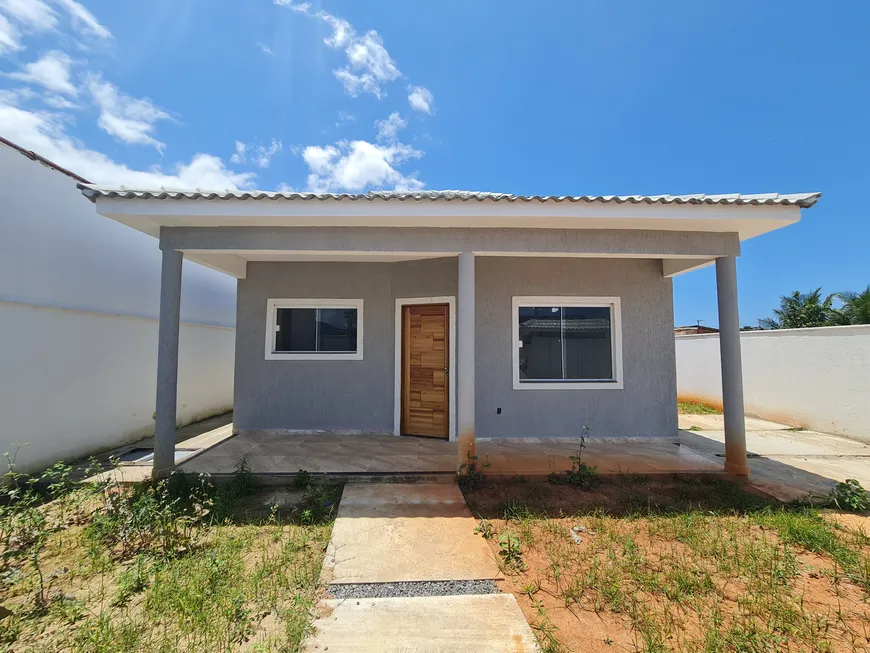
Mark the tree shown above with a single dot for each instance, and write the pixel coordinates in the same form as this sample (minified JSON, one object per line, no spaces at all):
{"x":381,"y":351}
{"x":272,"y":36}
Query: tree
{"x":856,"y":307}
{"x":801,"y":310}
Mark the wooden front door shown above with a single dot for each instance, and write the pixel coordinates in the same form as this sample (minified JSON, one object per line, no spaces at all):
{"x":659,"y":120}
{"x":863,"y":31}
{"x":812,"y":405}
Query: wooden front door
{"x":425,"y":386}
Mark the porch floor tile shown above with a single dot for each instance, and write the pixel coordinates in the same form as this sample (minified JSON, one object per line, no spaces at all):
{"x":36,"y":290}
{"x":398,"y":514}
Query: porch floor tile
{"x":271,"y":452}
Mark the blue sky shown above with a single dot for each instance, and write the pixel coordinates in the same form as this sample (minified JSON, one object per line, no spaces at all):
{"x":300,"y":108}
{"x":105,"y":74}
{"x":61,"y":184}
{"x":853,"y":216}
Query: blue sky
{"x":581,"y":97}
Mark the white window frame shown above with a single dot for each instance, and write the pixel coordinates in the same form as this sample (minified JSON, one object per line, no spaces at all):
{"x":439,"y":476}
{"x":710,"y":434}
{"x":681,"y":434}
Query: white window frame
{"x":613,"y":303}
{"x":272,"y":306}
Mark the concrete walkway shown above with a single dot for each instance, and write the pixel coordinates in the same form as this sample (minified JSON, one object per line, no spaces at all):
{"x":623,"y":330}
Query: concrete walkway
{"x":390,"y":537}
{"x":784,"y":462}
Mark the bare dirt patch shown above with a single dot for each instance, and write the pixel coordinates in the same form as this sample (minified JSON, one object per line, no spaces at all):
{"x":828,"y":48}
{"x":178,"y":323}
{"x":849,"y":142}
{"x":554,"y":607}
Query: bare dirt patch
{"x":676,"y":565}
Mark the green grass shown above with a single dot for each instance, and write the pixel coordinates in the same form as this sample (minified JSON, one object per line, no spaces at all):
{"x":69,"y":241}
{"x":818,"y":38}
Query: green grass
{"x":688,"y":407}
{"x":166,"y":567}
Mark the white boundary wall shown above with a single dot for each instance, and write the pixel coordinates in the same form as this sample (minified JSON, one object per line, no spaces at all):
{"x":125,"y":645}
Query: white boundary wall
{"x":78,"y":382}
{"x":814,"y":378}
{"x":79,"y":298}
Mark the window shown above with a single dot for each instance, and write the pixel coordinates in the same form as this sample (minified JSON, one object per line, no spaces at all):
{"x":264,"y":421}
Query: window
{"x":567,"y":343}
{"x":314,"y":329}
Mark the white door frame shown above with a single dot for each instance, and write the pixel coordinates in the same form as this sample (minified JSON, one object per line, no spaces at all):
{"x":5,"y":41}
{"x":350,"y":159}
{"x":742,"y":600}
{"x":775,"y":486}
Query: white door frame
{"x":451,"y":377}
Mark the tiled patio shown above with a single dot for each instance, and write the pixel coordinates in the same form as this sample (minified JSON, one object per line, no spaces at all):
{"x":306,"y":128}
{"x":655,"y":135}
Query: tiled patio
{"x":279,"y":453}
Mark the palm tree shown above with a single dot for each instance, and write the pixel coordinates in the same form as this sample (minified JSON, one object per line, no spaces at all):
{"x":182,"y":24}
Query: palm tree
{"x":856,"y":307}
{"x":800,"y":310}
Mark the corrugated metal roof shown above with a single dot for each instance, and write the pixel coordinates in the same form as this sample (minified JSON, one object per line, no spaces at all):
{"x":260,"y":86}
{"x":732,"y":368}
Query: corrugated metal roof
{"x":30,"y":154}
{"x":803,"y":200}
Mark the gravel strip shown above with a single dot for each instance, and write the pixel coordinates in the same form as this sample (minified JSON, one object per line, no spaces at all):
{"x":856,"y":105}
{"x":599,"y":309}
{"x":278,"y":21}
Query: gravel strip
{"x":411,"y":588}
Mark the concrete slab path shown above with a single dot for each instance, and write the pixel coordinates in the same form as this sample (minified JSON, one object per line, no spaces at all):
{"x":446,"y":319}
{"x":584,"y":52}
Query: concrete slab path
{"x":489,"y":623}
{"x":393,"y":532}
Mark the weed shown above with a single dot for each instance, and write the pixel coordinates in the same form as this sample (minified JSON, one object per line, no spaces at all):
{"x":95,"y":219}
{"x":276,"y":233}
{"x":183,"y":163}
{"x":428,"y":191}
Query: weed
{"x":302,"y":479}
{"x":581,"y":475}
{"x":133,"y":580}
{"x":127,"y":582}
{"x":510,"y":551}
{"x":471,"y":472}
{"x":850,"y":495}
{"x":545,"y":630}
{"x":153,"y":517}
{"x":485,"y":529}
{"x":317,"y":506}
{"x":689,"y":407}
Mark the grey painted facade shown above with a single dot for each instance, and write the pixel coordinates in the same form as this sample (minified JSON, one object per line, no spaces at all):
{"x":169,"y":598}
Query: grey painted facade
{"x":359,"y":395}
{"x":634,"y":242}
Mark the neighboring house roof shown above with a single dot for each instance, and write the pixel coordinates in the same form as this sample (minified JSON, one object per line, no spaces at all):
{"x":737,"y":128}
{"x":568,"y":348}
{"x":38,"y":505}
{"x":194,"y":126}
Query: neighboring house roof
{"x":693,"y":330}
{"x":592,"y":324}
{"x":30,"y":154}
{"x":803,"y":200}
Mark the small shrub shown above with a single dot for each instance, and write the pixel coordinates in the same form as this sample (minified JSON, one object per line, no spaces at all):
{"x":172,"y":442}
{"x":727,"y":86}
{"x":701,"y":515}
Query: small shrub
{"x":849,"y":495}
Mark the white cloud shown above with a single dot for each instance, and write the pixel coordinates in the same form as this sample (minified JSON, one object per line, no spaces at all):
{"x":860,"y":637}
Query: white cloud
{"x":126,"y":118}
{"x":357,"y":165}
{"x":58,"y":101}
{"x":259,"y":155}
{"x":343,"y":117}
{"x":34,"y":15}
{"x":82,"y":19}
{"x":265,"y":49}
{"x":8,"y":36}
{"x":38,"y":16}
{"x":388,"y":129}
{"x":239,"y":156}
{"x":45,"y":133}
{"x":51,"y":71}
{"x":369,"y":65}
{"x":15,"y":96}
{"x":420,"y":98}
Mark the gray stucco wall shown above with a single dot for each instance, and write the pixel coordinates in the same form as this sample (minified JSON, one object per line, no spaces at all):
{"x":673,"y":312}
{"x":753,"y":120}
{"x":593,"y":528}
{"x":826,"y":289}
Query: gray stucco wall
{"x":333,"y":395}
{"x":358,"y":395}
{"x":647,"y":404}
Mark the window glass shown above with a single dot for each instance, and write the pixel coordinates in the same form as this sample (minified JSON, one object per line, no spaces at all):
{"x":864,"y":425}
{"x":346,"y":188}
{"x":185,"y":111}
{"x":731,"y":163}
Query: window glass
{"x":586,"y":334}
{"x":541,"y":349}
{"x":297,"y":329}
{"x":336,"y":329}
{"x":559,"y":343}
{"x":316,"y":330}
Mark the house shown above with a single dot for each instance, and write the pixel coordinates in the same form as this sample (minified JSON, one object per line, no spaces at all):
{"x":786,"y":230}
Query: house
{"x":694,"y":330}
{"x":451,"y":314}
{"x":79,"y":299}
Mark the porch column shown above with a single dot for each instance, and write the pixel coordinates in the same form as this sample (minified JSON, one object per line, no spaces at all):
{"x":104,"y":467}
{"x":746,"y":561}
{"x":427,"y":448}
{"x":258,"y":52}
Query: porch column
{"x":465,"y":357}
{"x":732,"y":370}
{"x":167,"y":363}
